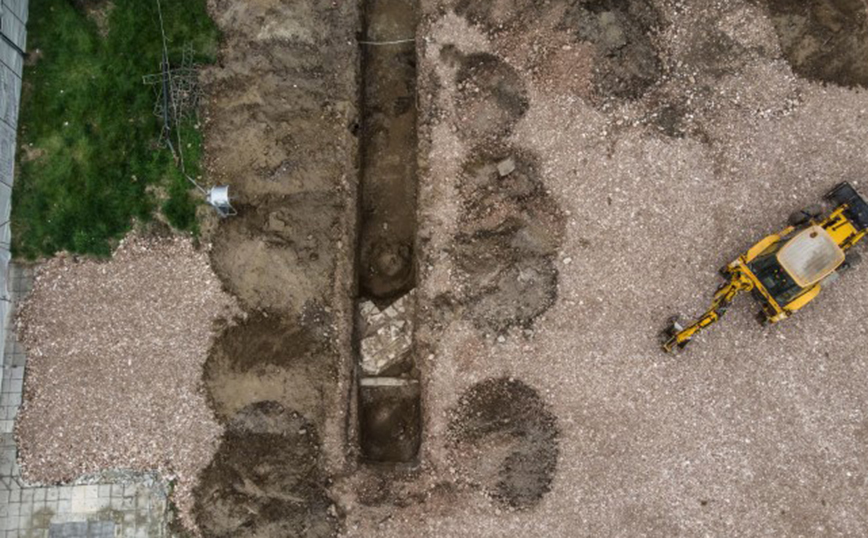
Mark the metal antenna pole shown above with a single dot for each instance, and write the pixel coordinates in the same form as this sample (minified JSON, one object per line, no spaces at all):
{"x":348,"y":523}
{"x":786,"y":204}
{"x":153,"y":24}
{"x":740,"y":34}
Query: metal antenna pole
{"x":170,"y":100}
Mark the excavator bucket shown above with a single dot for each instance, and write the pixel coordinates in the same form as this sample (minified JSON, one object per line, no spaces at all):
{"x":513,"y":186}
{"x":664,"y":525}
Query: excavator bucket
{"x":674,"y":325}
{"x":857,"y":208}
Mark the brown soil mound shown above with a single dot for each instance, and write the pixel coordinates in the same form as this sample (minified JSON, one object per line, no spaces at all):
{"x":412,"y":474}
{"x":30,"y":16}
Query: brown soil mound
{"x":506,"y":441}
{"x":267,"y":358}
{"x":825,"y":40}
{"x":510,"y":231}
{"x":283,"y":494}
{"x":491,"y":96}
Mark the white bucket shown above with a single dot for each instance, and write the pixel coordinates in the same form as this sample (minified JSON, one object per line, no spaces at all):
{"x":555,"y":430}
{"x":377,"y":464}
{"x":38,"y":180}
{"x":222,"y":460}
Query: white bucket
{"x":218,"y":198}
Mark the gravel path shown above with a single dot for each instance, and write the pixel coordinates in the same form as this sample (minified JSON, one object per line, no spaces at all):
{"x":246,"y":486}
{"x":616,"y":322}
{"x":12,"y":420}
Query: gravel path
{"x":115,"y":352}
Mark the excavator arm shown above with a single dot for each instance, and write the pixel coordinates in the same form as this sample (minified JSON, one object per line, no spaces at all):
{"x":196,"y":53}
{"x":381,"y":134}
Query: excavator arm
{"x":678,"y":336}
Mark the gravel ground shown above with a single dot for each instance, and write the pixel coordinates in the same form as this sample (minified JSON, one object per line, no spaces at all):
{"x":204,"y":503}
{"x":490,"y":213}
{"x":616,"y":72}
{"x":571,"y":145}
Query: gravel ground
{"x":752,"y":431}
{"x":115,"y":352}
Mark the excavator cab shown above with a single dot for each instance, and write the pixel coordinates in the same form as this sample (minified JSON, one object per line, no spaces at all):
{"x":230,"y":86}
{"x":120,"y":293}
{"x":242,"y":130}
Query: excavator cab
{"x":792,"y":271}
{"x":776,"y":280}
{"x":786,"y":271}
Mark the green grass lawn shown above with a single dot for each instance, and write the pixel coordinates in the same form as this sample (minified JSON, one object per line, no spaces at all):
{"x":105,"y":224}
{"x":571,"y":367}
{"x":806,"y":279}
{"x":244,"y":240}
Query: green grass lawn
{"x":88,"y":137}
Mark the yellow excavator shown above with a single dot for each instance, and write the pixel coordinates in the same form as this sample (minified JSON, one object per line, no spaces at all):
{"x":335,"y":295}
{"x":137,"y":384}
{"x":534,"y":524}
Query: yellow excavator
{"x":786,"y":271}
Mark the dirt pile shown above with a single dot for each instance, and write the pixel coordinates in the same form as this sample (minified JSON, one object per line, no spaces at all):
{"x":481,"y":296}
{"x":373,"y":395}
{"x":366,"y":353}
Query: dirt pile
{"x":269,"y":358}
{"x":505,"y":441}
{"x":266,"y":479}
{"x":825,"y":40}
{"x":280,"y":130}
{"x":510,"y":231}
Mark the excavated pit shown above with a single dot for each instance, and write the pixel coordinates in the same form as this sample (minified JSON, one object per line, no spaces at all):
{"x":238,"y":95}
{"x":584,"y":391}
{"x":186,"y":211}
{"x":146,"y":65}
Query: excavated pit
{"x":267,"y":358}
{"x":389,"y":398}
{"x":491,"y":97}
{"x":283,"y":494}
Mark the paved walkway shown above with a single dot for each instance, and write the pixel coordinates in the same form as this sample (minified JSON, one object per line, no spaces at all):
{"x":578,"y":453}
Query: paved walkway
{"x":106,"y":509}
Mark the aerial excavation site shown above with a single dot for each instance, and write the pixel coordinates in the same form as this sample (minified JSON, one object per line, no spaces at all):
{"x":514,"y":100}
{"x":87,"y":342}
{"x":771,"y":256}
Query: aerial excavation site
{"x":433,"y":268}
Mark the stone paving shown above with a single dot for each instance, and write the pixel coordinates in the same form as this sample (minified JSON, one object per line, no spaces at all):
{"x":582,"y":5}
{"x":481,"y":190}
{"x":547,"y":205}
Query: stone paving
{"x":123,"y":506}
{"x":387,"y":336}
{"x":19,"y":281}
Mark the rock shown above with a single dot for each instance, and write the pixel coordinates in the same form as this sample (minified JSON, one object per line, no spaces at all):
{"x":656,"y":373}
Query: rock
{"x":613,"y":37}
{"x":506,"y":167}
{"x":275,"y":223}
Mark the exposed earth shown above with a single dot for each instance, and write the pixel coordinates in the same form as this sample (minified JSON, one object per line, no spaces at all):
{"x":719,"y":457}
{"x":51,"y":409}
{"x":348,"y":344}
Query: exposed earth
{"x":505,"y":441}
{"x":281,"y":131}
{"x":582,"y":169}
{"x":266,"y":479}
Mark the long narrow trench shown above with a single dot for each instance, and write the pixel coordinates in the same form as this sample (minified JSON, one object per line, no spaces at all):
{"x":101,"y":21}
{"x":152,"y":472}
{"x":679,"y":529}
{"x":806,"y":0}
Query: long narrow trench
{"x":389,"y":396}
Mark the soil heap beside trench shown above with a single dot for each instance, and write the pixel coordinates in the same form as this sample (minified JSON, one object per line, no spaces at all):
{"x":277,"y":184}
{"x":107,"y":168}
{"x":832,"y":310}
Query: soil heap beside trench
{"x":280,"y":127}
